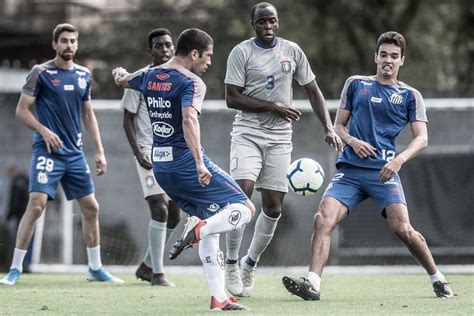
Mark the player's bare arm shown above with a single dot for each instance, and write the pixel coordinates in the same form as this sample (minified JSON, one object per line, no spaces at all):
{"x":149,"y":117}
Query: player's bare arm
{"x":121,"y":77}
{"x":361,"y":148}
{"x":235,"y":99}
{"x":25,"y":115}
{"x":417,"y":145}
{"x":130,"y":131}
{"x":90,"y":122}
{"x":192,"y":135}
{"x":317,"y":101}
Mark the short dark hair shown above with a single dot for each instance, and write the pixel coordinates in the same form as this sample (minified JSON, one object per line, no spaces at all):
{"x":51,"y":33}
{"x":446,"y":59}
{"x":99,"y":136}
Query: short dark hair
{"x":157,"y":33}
{"x":260,"y":5}
{"x":63,"y":27}
{"x":193,"y":39}
{"x":392,"y":38}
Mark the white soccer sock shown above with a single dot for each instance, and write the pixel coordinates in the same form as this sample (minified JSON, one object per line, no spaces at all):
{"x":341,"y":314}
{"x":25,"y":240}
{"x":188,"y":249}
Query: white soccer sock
{"x":264,"y":229}
{"x":438,"y":276}
{"x":315,"y":280}
{"x":233,"y":239}
{"x":169,"y":231}
{"x":213,"y":262}
{"x":93,"y":258}
{"x":18,"y":257}
{"x":232,"y":217}
{"x":156,"y":244}
{"x":147,"y":258}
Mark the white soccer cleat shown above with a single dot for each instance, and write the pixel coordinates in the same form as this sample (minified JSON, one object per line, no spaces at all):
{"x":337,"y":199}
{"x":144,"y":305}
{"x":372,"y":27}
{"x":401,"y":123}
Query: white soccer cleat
{"x":11,"y":278}
{"x":102,"y":275}
{"x":232,"y":279}
{"x":247,"y":273}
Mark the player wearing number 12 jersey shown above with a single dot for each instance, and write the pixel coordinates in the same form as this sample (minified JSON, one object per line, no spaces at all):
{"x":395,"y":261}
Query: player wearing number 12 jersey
{"x":378,"y":107}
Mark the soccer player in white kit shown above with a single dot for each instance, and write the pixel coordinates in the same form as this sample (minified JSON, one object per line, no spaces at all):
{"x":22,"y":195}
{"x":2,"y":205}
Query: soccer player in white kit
{"x":258,"y":82}
{"x":136,"y":122}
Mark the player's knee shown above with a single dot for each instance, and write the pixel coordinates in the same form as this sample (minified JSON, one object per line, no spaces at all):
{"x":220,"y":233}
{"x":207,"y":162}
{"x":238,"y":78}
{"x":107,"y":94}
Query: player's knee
{"x":35,"y":208}
{"x":405,"y":232}
{"x":251,"y":207}
{"x":158,"y":208}
{"x":91,"y":210}
{"x":322,"y":222}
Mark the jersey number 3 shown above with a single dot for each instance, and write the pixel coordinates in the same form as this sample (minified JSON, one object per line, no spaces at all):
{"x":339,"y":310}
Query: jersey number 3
{"x":270,"y":82}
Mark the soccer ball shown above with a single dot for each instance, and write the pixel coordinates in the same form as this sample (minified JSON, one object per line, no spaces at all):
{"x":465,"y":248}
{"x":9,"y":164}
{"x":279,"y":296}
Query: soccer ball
{"x":305,"y":176}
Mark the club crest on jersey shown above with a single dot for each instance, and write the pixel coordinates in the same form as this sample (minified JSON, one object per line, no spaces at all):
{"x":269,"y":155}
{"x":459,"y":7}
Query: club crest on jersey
{"x":396,"y":99}
{"x":285,"y":66}
{"x":82,"y":83}
{"x":42,"y":177}
{"x":162,"y":76}
{"x":150,"y":180}
{"x":214,"y":207}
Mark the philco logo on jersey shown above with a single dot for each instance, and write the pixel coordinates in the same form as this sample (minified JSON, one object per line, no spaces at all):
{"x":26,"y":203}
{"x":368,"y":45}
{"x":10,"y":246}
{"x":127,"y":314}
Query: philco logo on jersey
{"x":162,"y":129}
{"x":158,"y":103}
{"x":396,"y":99}
{"x":159,"y":86}
{"x":285,"y":66}
{"x":162,"y":76}
{"x":82,"y":83}
{"x":376,"y":100}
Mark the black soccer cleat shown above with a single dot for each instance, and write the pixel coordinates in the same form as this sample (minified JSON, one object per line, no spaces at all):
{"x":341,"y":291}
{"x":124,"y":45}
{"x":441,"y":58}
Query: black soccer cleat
{"x":442,"y":289}
{"x":301,"y":287}
{"x":144,"y":272}
{"x":189,"y":237}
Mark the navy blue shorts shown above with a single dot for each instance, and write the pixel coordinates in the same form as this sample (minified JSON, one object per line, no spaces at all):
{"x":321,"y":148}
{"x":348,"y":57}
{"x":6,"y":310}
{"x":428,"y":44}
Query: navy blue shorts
{"x":352,"y":185}
{"x":182,"y":186}
{"x":47,"y":170}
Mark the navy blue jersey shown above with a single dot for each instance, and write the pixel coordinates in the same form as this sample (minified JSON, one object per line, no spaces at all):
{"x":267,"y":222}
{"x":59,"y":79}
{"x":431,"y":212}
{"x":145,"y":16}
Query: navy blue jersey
{"x":378,"y":113}
{"x":167,"y":91}
{"x":59,"y":96}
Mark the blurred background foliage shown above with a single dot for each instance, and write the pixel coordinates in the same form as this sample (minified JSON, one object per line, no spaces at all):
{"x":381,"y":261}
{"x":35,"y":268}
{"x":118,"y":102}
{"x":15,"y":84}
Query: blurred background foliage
{"x":338,"y":38}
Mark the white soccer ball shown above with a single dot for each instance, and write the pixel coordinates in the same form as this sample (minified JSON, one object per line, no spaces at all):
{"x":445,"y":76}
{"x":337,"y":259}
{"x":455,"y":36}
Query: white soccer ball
{"x":305,"y":176}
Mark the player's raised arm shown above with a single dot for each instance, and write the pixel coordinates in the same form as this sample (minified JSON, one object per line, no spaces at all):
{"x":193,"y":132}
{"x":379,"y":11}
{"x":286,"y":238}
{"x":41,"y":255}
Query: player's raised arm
{"x":316,"y":99}
{"x":90,"y":122}
{"x":25,"y":115}
{"x":121,"y":77}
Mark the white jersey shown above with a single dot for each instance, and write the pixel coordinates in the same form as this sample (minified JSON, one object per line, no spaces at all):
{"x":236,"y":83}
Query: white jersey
{"x":134,"y":102}
{"x":267,"y":74}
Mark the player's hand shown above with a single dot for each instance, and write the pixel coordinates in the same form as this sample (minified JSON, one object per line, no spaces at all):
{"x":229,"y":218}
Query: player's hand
{"x":52,"y":141}
{"x":390,"y":169}
{"x":361,"y":148}
{"x":203,"y":174}
{"x":286,"y":112}
{"x":144,"y":161}
{"x":119,"y":74}
{"x":100,"y":164}
{"x":333,"y":140}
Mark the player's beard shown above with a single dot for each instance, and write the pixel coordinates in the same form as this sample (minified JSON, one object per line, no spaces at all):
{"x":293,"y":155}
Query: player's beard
{"x":67,"y":55}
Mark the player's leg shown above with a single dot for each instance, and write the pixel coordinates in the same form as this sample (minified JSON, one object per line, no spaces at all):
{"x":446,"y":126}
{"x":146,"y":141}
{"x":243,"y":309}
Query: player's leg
{"x":91,"y":234}
{"x":213,"y":262}
{"x":36,"y":204}
{"x":399,"y":222}
{"x":157,"y":235}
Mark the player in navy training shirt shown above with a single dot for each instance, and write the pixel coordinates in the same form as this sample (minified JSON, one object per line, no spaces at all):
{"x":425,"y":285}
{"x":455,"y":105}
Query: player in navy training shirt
{"x":174,"y":95}
{"x":61,"y":91}
{"x":378,"y":107}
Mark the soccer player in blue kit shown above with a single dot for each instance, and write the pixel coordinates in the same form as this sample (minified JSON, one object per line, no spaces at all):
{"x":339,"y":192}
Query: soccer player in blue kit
{"x":174,"y":94}
{"x":61,"y":91}
{"x":378,"y":107}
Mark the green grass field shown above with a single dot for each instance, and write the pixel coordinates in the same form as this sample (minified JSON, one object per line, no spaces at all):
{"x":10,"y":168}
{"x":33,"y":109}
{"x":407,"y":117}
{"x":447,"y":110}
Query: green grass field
{"x":341,"y":295}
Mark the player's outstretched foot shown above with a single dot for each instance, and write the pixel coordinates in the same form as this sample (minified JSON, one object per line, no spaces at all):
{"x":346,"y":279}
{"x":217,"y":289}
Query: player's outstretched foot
{"x":229,"y":304}
{"x":442,"y":289}
{"x":11,"y":278}
{"x":232,"y":279}
{"x":302,"y":288}
{"x":144,"y":272}
{"x":102,"y":275}
{"x":247,"y":273}
{"x":159,"y":279}
{"x":191,"y":235}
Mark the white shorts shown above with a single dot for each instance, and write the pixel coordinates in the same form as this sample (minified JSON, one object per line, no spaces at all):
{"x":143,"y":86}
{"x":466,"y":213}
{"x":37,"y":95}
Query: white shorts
{"x":253,"y":156}
{"x":148,"y":181}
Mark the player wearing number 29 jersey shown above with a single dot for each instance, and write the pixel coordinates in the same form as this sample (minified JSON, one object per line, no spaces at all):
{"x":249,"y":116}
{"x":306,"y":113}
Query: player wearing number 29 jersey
{"x":378,"y":113}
